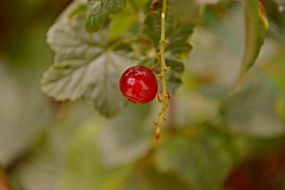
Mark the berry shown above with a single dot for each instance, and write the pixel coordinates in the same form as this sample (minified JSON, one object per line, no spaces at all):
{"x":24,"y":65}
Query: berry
{"x":138,"y":84}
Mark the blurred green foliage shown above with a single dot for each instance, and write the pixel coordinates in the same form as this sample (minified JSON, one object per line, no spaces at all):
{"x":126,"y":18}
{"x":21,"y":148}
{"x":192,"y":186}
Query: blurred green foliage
{"x":48,"y":145}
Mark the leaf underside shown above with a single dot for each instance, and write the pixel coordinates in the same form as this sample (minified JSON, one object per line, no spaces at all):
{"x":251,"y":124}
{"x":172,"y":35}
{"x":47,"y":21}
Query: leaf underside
{"x":83,"y":67}
{"x":256,"y":28}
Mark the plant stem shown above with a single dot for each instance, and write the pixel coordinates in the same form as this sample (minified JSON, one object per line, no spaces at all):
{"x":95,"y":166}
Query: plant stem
{"x":163,"y":70}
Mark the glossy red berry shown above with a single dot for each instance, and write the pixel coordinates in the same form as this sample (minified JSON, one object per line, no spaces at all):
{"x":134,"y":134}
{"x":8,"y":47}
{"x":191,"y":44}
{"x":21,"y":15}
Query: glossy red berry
{"x":138,"y":84}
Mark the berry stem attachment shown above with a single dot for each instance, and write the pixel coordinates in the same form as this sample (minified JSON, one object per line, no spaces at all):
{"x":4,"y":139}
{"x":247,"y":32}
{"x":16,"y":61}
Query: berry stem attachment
{"x":154,"y":66}
{"x":163,"y":70}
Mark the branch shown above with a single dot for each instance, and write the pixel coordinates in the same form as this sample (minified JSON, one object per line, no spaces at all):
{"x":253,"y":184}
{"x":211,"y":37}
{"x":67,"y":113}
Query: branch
{"x":163,"y":70}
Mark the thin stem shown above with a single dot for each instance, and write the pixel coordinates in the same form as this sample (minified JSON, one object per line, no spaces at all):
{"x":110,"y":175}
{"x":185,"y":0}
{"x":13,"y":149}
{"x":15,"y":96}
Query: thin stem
{"x":154,"y":66}
{"x":163,"y":70}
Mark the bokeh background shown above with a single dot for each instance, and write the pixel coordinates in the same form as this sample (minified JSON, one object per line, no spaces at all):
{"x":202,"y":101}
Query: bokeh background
{"x":212,"y":141}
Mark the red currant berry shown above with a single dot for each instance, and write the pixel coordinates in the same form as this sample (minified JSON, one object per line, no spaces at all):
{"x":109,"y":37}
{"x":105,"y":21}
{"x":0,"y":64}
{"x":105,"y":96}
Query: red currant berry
{"x":138,"y":84}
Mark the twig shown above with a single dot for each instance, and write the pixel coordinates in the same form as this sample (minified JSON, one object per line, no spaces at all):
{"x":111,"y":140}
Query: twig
{"x":163,"y":70}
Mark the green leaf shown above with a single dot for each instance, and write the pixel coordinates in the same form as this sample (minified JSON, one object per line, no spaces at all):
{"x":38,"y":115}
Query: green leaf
{"x":177,"y":35}
{"x":84,"y":67}
{"x":151,"y":27}
{"x":43,"y":163}
{"x":78,"y":10}
{"x":202,"y":162}
{"x":19,"y":103}
{"x":122,"y":23}
{"x":122,"y":142}
{"x":174,"y":77}
{"x":186,"y":11}
{"x":147,"y":177}
{"x":178,"y":47}
{"x":83,"y":168}
{"x":98,"y":12}
{"x":256,"y":28}
{"x":245,"y":114}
